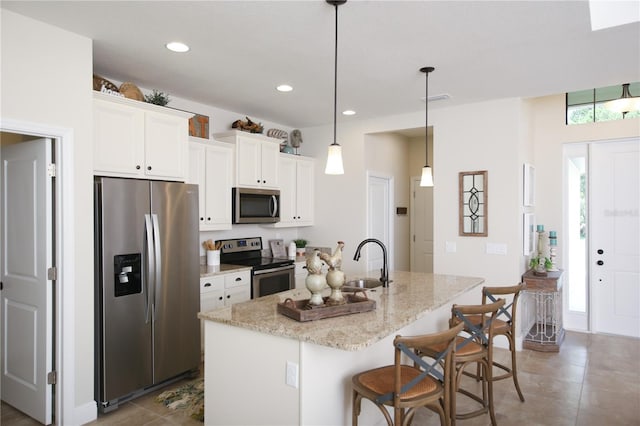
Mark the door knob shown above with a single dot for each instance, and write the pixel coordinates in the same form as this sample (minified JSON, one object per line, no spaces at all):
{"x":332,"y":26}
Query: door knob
{"x":600,"y":262}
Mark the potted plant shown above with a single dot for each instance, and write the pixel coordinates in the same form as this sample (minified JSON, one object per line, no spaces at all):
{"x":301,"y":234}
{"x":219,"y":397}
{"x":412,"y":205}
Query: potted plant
{"x":157,"y":98}
{"x":301,"y":243}
{"x":540,"y":265}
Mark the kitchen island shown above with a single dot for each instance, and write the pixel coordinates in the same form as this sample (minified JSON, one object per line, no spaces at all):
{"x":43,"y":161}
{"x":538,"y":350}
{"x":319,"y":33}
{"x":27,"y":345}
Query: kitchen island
{"x":263,"y":368}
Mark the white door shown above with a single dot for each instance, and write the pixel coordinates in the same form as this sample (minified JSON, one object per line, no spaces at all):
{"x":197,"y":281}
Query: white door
{"x":615,"y":237}
{"x":379,"y":222}
{"x":26,"y":298}
{"x":421,"y":227}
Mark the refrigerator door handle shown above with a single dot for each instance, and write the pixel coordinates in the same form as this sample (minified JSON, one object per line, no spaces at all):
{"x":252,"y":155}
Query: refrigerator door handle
{"x":151,"y":277}
{"x":158,"y":263}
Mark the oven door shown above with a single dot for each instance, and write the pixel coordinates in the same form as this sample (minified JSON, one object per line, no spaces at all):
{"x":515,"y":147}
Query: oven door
{"x":273,"y":280}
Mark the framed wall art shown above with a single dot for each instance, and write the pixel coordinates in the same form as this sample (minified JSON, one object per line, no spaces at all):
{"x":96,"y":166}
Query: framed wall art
{"x":473,"y":189}
{"x":529,"y":181}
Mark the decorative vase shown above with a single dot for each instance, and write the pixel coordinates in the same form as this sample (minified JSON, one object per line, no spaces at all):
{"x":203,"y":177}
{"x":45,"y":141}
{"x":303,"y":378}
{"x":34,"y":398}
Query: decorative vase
{"x":315,"y":284}
{"x":335,"y":280}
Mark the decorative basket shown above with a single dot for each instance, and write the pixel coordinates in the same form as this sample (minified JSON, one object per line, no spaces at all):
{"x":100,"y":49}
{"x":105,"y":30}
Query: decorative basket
{"x":131,"y":91}
{"x":98,"y":82}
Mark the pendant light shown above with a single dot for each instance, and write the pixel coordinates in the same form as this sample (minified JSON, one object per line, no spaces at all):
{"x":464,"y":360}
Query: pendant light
{"x":334,"y":156}
{"x":427,"y":174}
{"x":624,"y":103}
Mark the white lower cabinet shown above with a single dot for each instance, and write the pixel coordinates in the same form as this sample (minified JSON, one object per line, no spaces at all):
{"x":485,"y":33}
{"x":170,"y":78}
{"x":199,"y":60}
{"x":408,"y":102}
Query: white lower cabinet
{"x":211,"y":168}
{"x":300,"y":274}
{"x":296,"y":191}
{"x":222,"y":290}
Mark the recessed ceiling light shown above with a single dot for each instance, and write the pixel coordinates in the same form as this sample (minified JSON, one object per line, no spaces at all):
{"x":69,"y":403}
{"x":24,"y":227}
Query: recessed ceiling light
{"x":176,"y":46}
{"x":349,"y":112}
{"x":284,"y":88}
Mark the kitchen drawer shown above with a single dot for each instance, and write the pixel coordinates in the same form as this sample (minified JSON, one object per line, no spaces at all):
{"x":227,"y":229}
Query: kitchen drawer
{"x":208,"y":284}
{"x":237,"y":279}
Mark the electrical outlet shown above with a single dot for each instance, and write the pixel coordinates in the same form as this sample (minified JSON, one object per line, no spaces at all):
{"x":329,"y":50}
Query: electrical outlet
{"x":292,"y":376}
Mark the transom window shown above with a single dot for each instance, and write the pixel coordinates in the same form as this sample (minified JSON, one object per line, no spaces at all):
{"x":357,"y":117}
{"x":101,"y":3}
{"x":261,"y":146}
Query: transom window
{"x":587,"y":106}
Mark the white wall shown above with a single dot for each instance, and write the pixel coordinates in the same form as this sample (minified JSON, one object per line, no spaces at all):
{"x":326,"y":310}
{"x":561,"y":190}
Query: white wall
{"x":46,"y":80}
{"x":485,"y":136}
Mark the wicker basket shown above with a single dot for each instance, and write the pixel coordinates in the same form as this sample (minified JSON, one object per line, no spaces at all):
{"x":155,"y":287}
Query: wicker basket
{"x":98,"y":82}
{"x":131,"y":91}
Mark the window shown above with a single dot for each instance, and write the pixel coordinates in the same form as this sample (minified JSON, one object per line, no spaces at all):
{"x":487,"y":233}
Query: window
{"x":587,"y":106}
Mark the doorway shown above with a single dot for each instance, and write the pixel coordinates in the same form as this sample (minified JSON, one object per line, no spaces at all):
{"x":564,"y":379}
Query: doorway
{"x":602,"y":249}
{"x":421,"y":241}
{"x":60,"y":403}
{"x":614,"y":230}
{"x":379,"y":224}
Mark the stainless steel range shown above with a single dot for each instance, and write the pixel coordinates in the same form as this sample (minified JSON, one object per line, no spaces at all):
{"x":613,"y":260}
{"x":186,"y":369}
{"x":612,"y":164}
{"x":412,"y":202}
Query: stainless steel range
{"x":269,"y":274}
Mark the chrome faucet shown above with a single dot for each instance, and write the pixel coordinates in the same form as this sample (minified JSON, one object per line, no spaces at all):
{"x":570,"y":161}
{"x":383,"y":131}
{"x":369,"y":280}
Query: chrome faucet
{"x":384,"y":272}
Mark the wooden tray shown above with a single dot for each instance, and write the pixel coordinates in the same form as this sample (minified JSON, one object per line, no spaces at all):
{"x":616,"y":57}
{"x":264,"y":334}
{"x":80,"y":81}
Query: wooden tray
{"x":298,"y":310}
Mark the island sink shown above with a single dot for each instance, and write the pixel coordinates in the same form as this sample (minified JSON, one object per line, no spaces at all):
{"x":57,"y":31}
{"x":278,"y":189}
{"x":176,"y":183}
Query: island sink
{"x":361,"y":283}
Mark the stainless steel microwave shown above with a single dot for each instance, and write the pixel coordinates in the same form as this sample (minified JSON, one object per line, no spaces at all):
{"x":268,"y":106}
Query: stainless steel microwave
{"x":256,"y":205}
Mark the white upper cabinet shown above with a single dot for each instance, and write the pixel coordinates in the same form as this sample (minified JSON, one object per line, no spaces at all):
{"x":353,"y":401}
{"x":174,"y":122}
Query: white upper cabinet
{"x":256,"y":159}
{"x":296,"y":191}
{"x":139,"y":140}
{"x":211,"y":168}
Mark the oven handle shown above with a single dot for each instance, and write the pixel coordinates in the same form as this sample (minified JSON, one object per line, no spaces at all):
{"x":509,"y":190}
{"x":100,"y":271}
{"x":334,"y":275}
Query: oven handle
{"x":278,"y":269}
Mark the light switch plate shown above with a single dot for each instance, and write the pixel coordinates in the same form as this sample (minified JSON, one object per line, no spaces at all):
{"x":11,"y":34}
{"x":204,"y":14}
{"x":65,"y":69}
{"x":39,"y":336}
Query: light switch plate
{"x":497,"y":248}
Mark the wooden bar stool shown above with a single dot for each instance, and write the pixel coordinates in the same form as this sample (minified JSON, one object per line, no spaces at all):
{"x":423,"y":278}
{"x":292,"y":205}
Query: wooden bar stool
{"x":473,"y":346}
{"x":505,"y":325}
{"x":407,"y":387}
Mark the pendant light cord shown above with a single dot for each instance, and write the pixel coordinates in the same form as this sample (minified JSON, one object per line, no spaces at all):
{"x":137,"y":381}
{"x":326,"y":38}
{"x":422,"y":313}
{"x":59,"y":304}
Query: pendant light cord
{"x":426,"y":71}
{"x":426,"y":120}
{"x":335,"y":81}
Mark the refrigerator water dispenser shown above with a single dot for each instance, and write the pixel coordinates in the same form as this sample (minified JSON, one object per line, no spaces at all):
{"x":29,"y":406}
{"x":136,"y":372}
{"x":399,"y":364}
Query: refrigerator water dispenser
{"x":127,"y":274}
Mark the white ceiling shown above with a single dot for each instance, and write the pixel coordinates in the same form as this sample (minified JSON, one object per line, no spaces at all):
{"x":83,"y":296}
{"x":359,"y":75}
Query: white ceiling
{"x":240,"y":50}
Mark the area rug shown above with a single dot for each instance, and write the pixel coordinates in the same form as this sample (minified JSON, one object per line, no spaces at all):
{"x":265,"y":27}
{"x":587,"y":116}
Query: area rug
{"x":189,"y":397}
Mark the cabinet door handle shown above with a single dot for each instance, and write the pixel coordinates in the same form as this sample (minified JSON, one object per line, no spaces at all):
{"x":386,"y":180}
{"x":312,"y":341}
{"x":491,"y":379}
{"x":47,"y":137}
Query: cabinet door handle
{"x":138,"y":167}
{"x":148,"y":167}
{"x":220,"y":298}
{"x":228,"y":296}
{"x":600,"y":251}
{"x":207,"y":285}
{"x":600,"y":262}
{"x":238,"y":279}
{"x":202,"y":218}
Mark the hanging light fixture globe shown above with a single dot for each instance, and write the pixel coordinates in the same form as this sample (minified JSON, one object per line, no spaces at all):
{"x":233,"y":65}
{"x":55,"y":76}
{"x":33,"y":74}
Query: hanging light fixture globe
{"x":427,"y":174}
{"x":624,"y":103}
{"x":334,"y":156}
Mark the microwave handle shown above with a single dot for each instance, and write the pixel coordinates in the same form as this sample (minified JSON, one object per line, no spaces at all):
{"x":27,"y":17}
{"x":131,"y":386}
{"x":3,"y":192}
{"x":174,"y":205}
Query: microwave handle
{"x":274,"y":204}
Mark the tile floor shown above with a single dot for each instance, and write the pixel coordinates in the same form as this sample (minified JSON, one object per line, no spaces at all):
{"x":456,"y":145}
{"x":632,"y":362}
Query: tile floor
{"x":593,"y":380}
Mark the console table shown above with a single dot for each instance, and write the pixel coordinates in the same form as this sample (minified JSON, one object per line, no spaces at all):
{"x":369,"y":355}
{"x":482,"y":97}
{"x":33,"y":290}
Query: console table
{"x":542,"y":302}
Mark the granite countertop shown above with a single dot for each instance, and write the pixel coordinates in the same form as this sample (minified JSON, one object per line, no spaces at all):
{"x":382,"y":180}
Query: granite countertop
{"x":409,"y":297}
{"x":223,"y":268}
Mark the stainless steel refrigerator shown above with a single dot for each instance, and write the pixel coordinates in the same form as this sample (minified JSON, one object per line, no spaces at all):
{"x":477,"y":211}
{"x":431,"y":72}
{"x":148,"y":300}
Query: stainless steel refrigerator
{"x":147,"y":272}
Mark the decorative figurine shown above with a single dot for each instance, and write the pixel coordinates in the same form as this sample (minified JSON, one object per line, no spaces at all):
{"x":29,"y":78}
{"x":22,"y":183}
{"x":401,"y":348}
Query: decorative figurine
{"x":335,"y":276}
{"x":315,"y":281}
